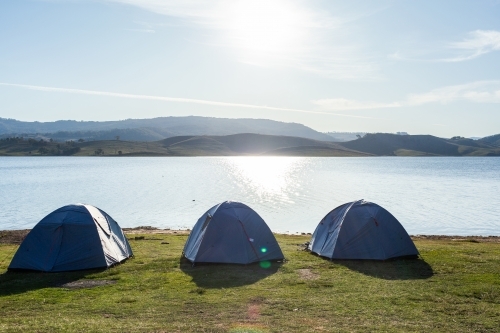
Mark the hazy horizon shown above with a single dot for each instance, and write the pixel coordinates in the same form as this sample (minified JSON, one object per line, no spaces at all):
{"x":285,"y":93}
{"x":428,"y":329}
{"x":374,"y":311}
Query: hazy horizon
{"x":326,"y":132}
{"x":362,"y":66}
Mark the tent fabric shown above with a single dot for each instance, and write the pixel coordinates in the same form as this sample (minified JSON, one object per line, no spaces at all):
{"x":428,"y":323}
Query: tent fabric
{"x":232,"y":233}
{"x":361,"y":230}
{"x":73,"y":237}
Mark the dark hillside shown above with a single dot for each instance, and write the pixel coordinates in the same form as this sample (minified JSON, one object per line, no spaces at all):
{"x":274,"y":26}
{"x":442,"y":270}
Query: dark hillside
{"x":199,"y":146}
{"x":240,"y":144}
{"x":314,"y":151}
{"x":491,"y":140}
{"x":175,"y":139}
{"x":256,"y":144}
{"x":467,"y":142}
{"x":419,"y":145}
{"x":388,"y":144}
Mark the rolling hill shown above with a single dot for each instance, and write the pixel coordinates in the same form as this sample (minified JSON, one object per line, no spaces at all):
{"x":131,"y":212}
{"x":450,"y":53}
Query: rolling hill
{"x":493,"y":140}
{"x":153,"y":129}
{"x":381,"y":144}
{"x":255,"y":144}
{"x":229,"y":145}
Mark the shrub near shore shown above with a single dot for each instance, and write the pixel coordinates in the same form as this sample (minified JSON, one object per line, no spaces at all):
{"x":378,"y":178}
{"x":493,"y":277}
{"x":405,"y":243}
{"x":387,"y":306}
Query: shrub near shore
{"x":455,"y":286}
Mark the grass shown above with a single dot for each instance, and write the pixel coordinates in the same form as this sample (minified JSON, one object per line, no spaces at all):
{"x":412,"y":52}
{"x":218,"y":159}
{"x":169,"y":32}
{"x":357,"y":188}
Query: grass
{"x":454,"y":287}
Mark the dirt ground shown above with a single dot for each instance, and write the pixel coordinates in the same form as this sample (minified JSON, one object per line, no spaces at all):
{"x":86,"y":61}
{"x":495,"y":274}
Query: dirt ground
{"x":472,"y":239}
{"x":17,"y":236}
{"x":13,"y":236}
{"x":152,"y":230}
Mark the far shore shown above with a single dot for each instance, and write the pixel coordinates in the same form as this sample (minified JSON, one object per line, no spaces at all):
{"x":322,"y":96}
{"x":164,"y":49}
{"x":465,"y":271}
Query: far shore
{"x":251,"y":144}
{"x":17,"y":236}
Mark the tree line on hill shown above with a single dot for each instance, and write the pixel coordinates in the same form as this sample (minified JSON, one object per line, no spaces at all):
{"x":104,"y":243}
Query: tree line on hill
{"x":41,"y":146}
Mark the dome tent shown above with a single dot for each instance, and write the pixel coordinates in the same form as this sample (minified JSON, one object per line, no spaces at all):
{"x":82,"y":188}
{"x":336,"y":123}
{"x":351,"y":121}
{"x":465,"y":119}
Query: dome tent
{"x":361,"y":230}
{"x":231,"y":233}
{"x":73,"y":237}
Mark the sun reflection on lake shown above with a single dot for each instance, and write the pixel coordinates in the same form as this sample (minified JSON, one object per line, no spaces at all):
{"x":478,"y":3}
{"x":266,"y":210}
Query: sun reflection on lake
{"x":266,"y":175}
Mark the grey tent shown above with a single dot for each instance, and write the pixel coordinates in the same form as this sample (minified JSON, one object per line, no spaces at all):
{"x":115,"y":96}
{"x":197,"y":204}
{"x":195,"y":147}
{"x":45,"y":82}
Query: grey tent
{"x":361,"y":230}
{"x":231,"y":233}
{"x":73,"y":237}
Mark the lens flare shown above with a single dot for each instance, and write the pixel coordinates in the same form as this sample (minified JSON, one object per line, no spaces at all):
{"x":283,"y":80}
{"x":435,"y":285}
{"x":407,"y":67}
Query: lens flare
{"x":265,"y":264}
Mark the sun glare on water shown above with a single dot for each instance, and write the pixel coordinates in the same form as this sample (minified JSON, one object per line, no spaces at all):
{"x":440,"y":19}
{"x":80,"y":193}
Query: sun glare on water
{"x":266,"y":175}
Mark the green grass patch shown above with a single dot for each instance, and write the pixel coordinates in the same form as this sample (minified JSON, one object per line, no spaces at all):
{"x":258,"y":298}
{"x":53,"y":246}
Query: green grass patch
{"x":453,"y":287}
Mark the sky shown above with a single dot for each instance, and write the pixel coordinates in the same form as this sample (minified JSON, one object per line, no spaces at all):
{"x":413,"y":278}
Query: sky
{"x":423,"y":67}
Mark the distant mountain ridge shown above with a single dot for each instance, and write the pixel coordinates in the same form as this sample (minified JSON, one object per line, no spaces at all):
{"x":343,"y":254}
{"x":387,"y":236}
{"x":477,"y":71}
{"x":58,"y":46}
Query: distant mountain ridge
{"x":156,"y":128}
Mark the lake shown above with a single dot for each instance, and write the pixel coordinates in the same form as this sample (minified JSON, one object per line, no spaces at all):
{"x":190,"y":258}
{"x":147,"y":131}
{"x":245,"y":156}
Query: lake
{"x":428,"y":195}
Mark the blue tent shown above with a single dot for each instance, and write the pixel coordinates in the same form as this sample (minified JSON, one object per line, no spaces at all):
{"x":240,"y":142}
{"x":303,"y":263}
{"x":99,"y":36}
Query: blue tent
{"x":361,"y":230}
{"x":232,"y":233}
{"x":72,"y":238}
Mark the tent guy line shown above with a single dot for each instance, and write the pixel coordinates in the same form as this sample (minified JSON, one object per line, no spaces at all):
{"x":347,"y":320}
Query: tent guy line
{"x":170,"y":99}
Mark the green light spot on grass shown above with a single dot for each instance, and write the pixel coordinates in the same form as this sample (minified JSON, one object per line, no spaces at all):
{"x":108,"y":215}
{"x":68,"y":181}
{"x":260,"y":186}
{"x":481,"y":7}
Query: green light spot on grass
{"x":265,"y":264}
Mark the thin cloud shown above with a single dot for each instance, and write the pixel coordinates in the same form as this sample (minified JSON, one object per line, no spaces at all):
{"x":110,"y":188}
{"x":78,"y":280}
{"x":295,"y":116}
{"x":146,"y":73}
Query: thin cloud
{"x":146,"y":27}
{"x":475,"y":44}
{"x":347,"y":104}
{"x":475,"y":92}
{"x":171,"y":99}
{"x":478,"y":92}
{"x":151,"y":31}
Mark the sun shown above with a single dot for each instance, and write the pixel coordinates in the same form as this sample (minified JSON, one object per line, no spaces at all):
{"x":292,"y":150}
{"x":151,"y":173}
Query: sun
{"x":265,"y":29}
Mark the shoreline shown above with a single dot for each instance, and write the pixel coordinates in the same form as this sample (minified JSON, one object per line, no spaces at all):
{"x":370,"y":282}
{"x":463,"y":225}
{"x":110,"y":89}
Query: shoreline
{"x":17,"y":236}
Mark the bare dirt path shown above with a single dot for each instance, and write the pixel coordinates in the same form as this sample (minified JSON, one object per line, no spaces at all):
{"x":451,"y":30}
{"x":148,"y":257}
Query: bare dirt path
{"x":17,"y":236}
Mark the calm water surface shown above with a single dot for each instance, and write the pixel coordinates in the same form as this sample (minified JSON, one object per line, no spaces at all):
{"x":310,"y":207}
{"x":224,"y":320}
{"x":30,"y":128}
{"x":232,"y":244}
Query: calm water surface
{"x":442,"y":195}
